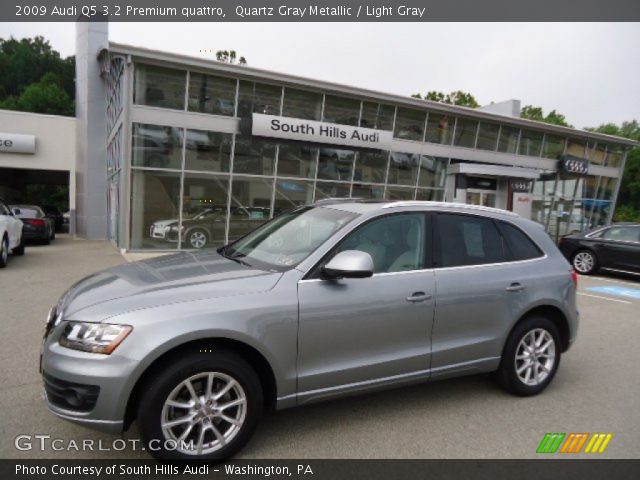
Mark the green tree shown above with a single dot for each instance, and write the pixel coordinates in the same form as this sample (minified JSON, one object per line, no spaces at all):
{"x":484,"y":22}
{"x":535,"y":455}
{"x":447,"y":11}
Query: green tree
{"x":229,"y":56}
{"x":536,"y":113}
{"x":458,"y":97}
{"x":45,"y":96}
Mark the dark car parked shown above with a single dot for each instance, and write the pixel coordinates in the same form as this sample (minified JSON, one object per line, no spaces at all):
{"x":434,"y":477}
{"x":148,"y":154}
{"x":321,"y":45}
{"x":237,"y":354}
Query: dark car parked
{"x":37,"y":226}
{"x":614,"y":248}
{"x":54,"y":214}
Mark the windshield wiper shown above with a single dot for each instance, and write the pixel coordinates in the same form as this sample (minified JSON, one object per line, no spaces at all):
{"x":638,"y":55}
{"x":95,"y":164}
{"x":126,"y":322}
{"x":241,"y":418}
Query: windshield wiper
{"x":235,"y":257}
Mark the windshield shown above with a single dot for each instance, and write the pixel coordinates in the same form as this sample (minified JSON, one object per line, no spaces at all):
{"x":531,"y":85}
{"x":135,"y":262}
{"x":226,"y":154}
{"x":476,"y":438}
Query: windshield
{"x":289,"y":238}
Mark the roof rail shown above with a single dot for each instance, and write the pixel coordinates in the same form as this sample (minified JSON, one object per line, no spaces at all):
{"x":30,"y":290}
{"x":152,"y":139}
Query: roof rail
{"x":465,"y":206}
{"x":333,"y":201}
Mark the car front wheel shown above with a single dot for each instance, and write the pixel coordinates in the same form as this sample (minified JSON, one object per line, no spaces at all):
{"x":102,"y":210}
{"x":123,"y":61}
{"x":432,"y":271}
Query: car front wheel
{"x":585,"y":262}
{"x":204,"y":406}
{"x":197,"y":238}
{"x":4,"y":252}
{"x":531,"y":356}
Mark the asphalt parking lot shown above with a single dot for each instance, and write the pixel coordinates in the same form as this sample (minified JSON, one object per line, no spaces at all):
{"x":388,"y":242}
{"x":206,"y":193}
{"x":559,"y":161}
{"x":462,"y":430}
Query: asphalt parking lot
{"x":596,"y":389}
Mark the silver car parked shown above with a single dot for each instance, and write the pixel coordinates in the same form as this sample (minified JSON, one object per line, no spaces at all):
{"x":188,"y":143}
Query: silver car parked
{"x":332,"y":299}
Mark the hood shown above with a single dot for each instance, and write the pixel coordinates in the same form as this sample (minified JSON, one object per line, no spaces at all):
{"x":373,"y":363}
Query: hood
{"x":164,"y":223}
{"x":168,"y":279}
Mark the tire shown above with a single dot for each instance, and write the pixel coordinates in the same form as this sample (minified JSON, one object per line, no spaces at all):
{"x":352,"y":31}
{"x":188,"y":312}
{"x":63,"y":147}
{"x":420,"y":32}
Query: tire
{"x":19,"y":250}
{"x":4,"y":252}
{"x":534,"y":327}
{"x":197,"y":238}
{"x":585,"y":262}
{"x":168,"y":384}
{"x":53,"y":234}
{"x":46,"y":240}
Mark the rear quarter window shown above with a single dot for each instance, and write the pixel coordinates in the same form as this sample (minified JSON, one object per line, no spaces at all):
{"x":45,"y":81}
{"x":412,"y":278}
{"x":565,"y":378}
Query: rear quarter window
{"x":520,"y":246}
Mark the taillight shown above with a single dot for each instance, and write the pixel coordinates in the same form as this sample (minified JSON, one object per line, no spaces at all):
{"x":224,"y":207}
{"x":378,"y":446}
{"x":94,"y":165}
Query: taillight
{"x":36,"y":222}
{"x":574,"y":277}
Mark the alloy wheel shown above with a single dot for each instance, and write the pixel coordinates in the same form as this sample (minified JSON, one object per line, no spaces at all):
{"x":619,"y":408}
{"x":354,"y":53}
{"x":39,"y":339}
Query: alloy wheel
{"x":4,"y":251}
{"x":535,"y":357}
{"x":198,"y":239}
{"x":204,"y":413}
{"x":584,"y":262}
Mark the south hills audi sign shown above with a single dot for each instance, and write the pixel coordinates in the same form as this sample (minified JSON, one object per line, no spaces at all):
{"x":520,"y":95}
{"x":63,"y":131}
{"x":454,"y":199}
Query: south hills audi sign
{"x":313,"y":131}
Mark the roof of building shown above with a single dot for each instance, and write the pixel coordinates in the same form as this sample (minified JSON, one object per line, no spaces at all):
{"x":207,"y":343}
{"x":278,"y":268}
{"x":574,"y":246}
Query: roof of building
{"x":252,"y":73}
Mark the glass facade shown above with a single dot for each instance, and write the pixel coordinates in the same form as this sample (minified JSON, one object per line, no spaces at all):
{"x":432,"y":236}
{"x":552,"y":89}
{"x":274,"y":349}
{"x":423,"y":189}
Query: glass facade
{"x":196,"y":187}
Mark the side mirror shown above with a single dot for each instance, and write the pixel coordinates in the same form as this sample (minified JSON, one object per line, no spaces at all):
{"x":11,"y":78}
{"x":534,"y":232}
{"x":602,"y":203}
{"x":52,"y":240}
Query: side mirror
{"x":16,"y":211}
{"x":349,"y":264}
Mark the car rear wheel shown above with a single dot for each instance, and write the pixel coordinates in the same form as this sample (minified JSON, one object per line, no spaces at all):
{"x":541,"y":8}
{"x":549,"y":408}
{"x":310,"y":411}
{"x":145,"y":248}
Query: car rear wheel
{"x":531,"y":356}
{"x":4,"y":252}
{"x":204,"y":406}
{"x":197,"y":238}
{"x":585,"y":262}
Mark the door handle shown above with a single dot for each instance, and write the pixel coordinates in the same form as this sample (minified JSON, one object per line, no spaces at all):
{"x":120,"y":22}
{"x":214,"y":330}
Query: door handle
{"x":418,"y":297}
{"x":515,"y":287}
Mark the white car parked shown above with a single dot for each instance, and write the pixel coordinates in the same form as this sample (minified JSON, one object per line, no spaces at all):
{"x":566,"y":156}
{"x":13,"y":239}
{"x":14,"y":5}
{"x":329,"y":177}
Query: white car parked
{"x":10,"y":234}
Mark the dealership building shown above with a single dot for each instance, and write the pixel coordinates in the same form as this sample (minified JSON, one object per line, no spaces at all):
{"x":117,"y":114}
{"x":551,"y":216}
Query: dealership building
{"x":175,"y":152}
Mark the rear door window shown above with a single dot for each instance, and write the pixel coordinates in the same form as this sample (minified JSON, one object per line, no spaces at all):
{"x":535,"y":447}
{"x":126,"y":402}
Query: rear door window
{"x":468,"y":240}
{"x":622,"y":234}
{"x":520,"y":246}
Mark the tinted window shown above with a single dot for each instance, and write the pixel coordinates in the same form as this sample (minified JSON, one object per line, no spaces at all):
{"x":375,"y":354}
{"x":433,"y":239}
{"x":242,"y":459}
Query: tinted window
{"x":467,"y":240}
{"x":396,"y":242}
{"x":623,"y":234}
{"x":519,"y":244}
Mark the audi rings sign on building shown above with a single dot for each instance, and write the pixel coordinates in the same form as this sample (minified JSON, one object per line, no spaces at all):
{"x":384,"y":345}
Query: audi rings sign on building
{"x":574,"y":165}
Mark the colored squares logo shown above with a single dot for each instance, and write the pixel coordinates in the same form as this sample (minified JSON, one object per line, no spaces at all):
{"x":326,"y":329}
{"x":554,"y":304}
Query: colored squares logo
{"x":574,"y":443}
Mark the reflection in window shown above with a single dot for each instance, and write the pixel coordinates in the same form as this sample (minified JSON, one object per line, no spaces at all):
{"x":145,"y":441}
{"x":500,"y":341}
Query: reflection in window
{"x":508,"y":141}
{"x":204,"y":210}
{"x":291,"y":194}
{"x":159,"y":87}
{"x":253,"y":155}
{"x":530,"y":143}
{"x":335,"y":164}
{"x":488,"y":136}
{"x":553,"y":146}
{"x":302,"y":104}
{"x":341,"y":110}
{"x":250,"y":205}
{"x":331,"y":190}
{"x":258,"y":98}
{"x":367,"y":191}
{"x":429,"y":194}
{"x":597,"y":153}
{"x":156,"y":146}
{"x":577,"y":148}
{"x":371,"y":166}
{"x":399,"y":193}
{"x":602,"y":206}
{"x":155,"y":200}
{"x":432,"y":171}
{"x":376,"y":115}
{"x":208,"y":151}
{"x":403,"y":168}
{"x":465,"y":135}
{"x":614,"y":156}
{"x":409,"y":124}
{"x":297,"y":160}
{"x":439,"y":128}
{"x":208,"y":94}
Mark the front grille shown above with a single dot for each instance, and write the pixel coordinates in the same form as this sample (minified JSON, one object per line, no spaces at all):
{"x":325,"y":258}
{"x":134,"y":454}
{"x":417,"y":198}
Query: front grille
{"x":70,"y":396}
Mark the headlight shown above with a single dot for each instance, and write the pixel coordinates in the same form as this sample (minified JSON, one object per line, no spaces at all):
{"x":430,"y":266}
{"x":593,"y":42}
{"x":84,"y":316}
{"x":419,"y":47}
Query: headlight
{"x":94,"y":337}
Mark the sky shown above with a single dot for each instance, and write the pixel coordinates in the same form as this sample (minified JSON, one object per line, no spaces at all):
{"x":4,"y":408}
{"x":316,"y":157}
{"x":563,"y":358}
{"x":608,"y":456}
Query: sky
{"x":587,"y":71}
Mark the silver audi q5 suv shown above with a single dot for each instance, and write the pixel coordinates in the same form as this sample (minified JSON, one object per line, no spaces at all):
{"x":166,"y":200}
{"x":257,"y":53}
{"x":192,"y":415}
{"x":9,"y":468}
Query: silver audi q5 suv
{"x":332,"y":299}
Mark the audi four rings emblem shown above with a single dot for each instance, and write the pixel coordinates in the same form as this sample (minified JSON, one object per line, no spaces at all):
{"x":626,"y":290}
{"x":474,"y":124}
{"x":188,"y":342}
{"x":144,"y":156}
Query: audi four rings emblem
{"x":579,"y":166}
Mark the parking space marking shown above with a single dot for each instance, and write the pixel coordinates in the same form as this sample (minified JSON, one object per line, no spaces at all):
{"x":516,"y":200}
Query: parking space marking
{"x":616,"y":291}
{"x":604,"y":298}
{"x":610,"y":280}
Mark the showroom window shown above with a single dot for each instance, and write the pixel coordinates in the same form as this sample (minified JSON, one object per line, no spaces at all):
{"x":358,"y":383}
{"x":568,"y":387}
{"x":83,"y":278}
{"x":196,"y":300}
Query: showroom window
{"x":488,"y":136}
{"x":429,"y":194}
{"x":250,"y":204}
{"x":439,"y":128}
{"x":253,"y":156}
{"x":403,"y":168}
{"x":367,"y":191}
{"x":377,"y":116}
{"x":291,"y":194}
{"x":204,"y":210}
{"x":466,"y":131}
{"x":258,"y":98}
{"x":553,"y":146}
{"x":159,"y":87}
{"x":208,"y":151}
{"x":302,"y":104}
{"x":399,"y":193}
{"x":215,"y":95}
{"x":371,"y":166}
{"x":409,"y":124}
{"x":155,"y":203}
{"x":297,"y":160}
{"x":156,"y":146}
{"x":577,"y":148}
{"x":335,"y":164}
{"x":614,"y":156}
{"x":432,"y":171}
{"x":530,"y":143}
{"x":345,"y":111}
{"x":508,"y":142}
{"x":331,"y":190}
{"x":597,"y":153}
